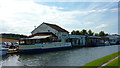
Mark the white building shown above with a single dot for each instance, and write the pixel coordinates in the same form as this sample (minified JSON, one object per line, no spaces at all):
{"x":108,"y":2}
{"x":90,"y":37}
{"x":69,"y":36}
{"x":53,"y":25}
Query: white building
{"x":61,"y":33}
{"x":78,"y":40}
{"x":114,"y":38}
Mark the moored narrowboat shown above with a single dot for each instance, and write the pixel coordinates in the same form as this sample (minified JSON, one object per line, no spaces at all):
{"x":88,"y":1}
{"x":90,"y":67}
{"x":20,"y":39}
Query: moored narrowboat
{"x":40,"y":44}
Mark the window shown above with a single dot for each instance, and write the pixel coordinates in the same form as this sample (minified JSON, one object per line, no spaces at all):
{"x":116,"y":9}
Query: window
{"x":38,"y":41}
{"x":27,"y":41}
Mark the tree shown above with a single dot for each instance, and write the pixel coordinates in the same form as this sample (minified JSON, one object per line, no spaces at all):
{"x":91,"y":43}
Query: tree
{"x":90,"y":33}
{"x":96,"y":34}
{"x":83,"y":32}
{"x":106,"y":34}
{"x":73,"y":32}
{"x":101,"y":33}
{"x":77,"y":32}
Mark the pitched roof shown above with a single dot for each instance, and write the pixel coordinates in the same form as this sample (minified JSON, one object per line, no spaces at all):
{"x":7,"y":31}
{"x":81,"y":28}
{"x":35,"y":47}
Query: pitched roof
{"x":56,"y":27}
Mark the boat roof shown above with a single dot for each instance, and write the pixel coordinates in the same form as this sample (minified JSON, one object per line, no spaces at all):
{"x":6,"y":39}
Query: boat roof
{"x":76,"y":36}
{"x":36,"y":37}
{"x":94,"y":37}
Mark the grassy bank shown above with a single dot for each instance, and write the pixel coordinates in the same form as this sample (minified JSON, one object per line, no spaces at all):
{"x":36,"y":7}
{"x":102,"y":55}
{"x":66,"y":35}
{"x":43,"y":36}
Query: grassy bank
{"x":114,"y":63}
{"x":100,"y":61}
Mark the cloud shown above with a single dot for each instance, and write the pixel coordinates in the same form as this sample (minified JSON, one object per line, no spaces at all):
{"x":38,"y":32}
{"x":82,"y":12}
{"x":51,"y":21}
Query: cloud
{"x":20,"y":16}
{"x":102,"y":10}
{"x":101,"y":26}
{"x":88,"y":23}
{"x":54,"y":7}
{"x":78,"y":0}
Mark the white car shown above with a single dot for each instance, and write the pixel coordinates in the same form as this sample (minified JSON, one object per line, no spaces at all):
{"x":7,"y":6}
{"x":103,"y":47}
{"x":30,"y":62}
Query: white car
{"x":3,"y":44}
{"x":9,"y":43}
{"x":15,"y":43}
{"x":6,"y":44}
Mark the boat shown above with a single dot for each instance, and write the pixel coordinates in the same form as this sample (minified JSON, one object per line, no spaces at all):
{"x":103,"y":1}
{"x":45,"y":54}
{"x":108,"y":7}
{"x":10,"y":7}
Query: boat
{"x":3,"y":48}
{"x":41,"y":44}
{"x":12,"y":51}
{"x":106,"y":43}
{"x":3,"y":51}
{"x":113,"y":42}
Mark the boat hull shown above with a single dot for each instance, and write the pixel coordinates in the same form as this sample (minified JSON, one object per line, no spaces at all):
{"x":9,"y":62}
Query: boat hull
{"x":3,"y":52}
{"x":44,"y":47}
{"x":42,"y":50}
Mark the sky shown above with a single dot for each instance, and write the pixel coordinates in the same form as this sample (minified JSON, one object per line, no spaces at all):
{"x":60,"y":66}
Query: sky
{"x":20,"y":16}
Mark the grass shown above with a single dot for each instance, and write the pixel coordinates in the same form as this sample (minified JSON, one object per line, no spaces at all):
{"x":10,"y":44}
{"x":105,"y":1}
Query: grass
{"x":100,"y":61}
{"x":113,"y":63}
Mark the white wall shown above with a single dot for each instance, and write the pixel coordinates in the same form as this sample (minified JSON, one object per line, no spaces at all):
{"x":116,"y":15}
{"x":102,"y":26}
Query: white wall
{"x":63,"y":36}
{"x":81,"y":37}
{"x":44,"y":28}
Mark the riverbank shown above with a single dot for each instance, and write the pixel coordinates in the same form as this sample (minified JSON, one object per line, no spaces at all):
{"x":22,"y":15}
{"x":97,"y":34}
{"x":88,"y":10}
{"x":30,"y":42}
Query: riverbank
{"x":101,"y":61}
{"x":116,"y":62}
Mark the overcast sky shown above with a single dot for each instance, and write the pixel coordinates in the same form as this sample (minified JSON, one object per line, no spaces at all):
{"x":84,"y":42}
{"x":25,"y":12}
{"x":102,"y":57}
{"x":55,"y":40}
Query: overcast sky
{"x":20,"y":16}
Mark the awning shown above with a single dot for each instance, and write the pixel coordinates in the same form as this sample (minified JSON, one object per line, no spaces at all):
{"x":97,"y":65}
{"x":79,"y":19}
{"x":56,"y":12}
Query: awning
{"x":37,"y":37}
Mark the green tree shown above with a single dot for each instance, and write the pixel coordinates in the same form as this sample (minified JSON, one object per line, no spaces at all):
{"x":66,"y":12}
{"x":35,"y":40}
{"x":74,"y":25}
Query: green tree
{"x":77,"y":32}
{"x":90,"y":33}
{"x":101,"y":33}
{"x":83,"y":32}
{"x":73,"y":32}
{"x":96,"y":34}
{"x":106,"y":34}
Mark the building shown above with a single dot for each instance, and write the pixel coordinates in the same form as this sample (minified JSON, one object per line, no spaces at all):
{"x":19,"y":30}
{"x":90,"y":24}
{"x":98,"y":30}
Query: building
{"x":84,"y":40}
{"x":96,"y":41}
{"x":57,"y":33}
{"x":61,"y":33}
{"x":77,"y":40}
{"x":114,"y":38}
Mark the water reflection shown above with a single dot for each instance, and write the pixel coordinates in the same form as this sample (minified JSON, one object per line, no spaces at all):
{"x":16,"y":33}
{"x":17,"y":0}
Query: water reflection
{"x":10,"y":60}
{"x":73,"y":57}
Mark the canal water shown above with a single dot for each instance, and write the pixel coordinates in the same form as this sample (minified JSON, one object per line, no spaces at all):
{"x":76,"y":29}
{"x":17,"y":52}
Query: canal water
{"x":71,"y":57}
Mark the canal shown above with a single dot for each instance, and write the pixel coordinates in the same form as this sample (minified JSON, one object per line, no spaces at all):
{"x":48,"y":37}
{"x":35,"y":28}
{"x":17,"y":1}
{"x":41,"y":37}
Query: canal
{"x":71,"y":57}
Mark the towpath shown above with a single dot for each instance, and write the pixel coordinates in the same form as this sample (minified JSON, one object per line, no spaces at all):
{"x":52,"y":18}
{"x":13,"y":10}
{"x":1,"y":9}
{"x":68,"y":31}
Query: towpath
{"x":109,"y":62}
